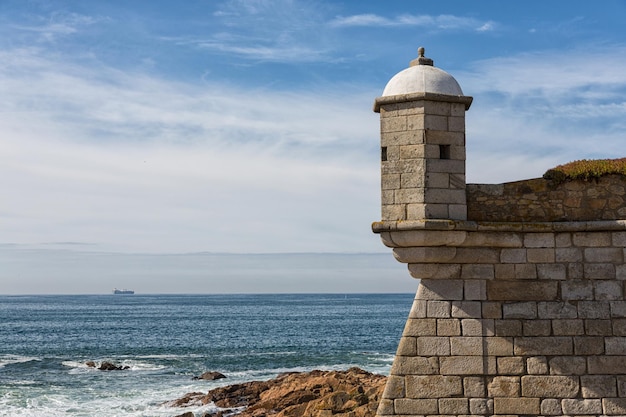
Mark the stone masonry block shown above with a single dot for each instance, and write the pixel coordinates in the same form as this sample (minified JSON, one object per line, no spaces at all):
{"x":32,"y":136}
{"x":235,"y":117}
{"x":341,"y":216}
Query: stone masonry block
{"x":467,"y":365}
{"x":601,"y":328}
{"x":551,"y":271}
{"x":598,"y":386}
{"x":435,"y":271}
{"x":424,"y":254}
{"x":551,"y":407}
{"x":401,"y":138}
{"x":394,"y":387}
{"x":444,"y":196}
{"x":420,"y":327}
{"x":453,"y":406}
{"x":433,"y":122}
{"x":537,"y":327}
{"x":504,"y":271}
{"x":563,"y":240}
{"x":549,"y":346}
{"x":556,"y":310}
{"x":621,"y":385}
{"x":618,"y":309}
{"x":407,"y":346}
{"x":496,"y":240}
{"x":537,"y":365}
{"x":577,"y":290}
{"x":477,"y":271}
{"x":478,"y":327}
{"x":387,"y":197}
{"x":466,"y":346}
{"x":475,"y":289}
{"x":385,"y":408}
{"x":433,"y":386}
{"x":508,"y":327}
{"x":525,"y":271}
{"x":588,"y":345}
{"x":438,"y":309}
{"x":390,"y":181}
{"x":615,"y":345}
{"x":516,"y":406}
{"x":492,"y":310}
{"x":448,"y":327}
{"x":415,"y":122}
{"x":466,"y":309}
{"x":437,"y":180}
{"x":620,"y":271}
{"x":591,"y":239}
{"x":521,"y":291}
{"x":567,"y":365}
{"x":408,"y":195}
{"x":618,"y":239}
{"x":476,"y":256}
{"x":393,"y":124}
{"x":499,"y":346}
{"x":614,"y":255}
{"x":510,"y":365}
{"x":440,"y":290}
{"x":539,"y":240}
{"x":393,"y":212}
{"x":614,"y":406}
{"x":593,"y":310}
{"x":545,"y":386}
{"x":608,"y":290}
{"x":568,"y":327}
{"x":410,"y":151}
{"x":481,"y":406}
{"x":418,"y":309}
{"x":504,"y":386}
{"x":441,"y":137}
{"x":521,"y":310}
{"x":575,"y":407}
{"x":513,"y":255}
{"x":433,"y":346}
{"x":568,"y":255}
{"x":451,"y":166}
{"x":415,"y":365}
{"x":437,"y":107}
{"x":606,"y":365}
{"x":415,"y":407}
{"x":456,"y":124}
{"x":540,"y":255}
{"x":474,"y":386}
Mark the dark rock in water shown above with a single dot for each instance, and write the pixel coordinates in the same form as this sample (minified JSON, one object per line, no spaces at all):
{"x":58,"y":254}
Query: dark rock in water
{"x":210,"y":376}
{"x":108,"y":366}
{"x":90,"y":364}
{"x":351,"y":393}
{"x":187,"y":414}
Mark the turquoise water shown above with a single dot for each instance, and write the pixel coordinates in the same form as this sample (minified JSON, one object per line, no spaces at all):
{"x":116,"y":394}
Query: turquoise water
{"x":167,"y":339}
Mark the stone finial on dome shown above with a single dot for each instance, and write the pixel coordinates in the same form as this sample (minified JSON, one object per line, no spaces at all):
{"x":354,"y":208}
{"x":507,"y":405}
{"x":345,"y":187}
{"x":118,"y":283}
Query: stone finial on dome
{"x":421,"y":59}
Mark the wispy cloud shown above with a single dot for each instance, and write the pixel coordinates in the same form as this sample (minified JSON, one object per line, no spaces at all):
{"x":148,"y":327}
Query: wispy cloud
{"x":536,"y":110}
{"x":50,"y":27}
{"x":141,"y":163}
{"x":443,"y":22}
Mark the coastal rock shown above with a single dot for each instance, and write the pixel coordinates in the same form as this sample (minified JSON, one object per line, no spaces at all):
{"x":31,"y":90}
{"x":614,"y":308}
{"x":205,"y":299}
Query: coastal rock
{"x":210,"y":376}
{"x":106,"y":366}
{"x":351,"y":393}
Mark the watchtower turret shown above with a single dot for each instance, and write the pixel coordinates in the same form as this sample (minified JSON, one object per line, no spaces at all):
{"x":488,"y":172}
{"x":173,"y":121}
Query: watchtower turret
{"x":422,"y":126}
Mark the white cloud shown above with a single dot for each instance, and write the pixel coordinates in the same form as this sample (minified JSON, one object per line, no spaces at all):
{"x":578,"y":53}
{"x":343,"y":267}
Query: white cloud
{"x":130,"y":162}
{"x":536,"y":110}
{"x":444,"y":22}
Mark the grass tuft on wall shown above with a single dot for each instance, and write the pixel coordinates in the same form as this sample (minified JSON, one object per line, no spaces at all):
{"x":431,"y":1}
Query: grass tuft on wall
{"x":586,"y":169}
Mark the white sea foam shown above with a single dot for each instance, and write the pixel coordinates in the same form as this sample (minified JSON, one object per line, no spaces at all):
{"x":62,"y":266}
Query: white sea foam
{"x":12,"y":359}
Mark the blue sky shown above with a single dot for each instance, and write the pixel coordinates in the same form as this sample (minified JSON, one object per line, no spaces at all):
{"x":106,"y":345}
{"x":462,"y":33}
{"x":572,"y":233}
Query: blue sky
{"x":247,"y":126}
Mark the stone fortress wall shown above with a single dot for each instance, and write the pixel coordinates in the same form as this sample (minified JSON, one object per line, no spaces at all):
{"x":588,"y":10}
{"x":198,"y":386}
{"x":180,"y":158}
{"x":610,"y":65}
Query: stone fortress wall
{"x":521,"y":306}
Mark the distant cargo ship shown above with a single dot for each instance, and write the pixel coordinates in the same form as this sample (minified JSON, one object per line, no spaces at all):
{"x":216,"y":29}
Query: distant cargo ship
{"x":123,"y":292}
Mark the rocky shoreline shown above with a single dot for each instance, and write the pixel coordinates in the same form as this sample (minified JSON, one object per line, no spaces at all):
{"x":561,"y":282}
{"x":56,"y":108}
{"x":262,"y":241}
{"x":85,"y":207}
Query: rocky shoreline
{"x":350,"y":393}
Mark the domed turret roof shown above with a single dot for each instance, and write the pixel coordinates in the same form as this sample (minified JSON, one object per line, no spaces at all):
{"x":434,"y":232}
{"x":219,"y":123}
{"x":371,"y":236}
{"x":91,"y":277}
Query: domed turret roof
{"x":422,"y":77}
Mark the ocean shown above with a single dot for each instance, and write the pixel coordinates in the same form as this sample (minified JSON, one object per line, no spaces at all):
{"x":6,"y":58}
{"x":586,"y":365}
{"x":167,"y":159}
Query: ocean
{"x":166,"y":340}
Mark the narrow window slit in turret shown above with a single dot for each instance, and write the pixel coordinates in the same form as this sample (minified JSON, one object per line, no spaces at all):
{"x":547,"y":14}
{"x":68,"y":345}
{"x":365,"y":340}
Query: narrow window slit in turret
{"x":383,"y":153}
{"x":444,"y":151}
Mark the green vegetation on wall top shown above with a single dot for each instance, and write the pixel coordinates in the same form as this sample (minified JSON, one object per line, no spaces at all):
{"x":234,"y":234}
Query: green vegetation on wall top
{"x":586,"y":169}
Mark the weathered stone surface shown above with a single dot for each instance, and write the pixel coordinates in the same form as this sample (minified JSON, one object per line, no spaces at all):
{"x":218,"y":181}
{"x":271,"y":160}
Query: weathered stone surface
{"x":550,"y":386}
{"x":351,"y":393}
